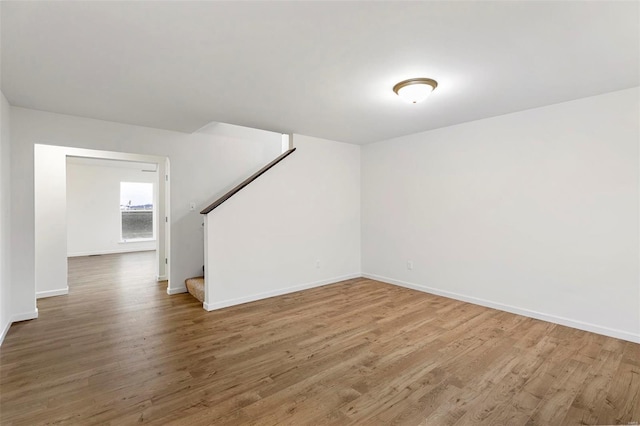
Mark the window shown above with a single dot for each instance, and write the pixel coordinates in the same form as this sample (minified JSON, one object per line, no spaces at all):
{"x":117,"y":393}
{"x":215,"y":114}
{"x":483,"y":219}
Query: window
{"x":136,"y":211}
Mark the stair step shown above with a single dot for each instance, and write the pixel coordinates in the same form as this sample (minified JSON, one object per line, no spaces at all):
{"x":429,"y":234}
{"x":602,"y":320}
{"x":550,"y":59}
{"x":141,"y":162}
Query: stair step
{"x":195,"y":286}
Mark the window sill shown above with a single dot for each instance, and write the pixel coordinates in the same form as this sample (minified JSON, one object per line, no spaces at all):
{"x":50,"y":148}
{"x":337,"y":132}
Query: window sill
{"x":136,"y":240}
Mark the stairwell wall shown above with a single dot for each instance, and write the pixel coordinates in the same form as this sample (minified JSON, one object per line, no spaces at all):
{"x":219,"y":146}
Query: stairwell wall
{"x":295,"y":227}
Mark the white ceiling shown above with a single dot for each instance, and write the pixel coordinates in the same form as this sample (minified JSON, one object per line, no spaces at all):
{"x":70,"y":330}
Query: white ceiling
{"x":322,"y":69}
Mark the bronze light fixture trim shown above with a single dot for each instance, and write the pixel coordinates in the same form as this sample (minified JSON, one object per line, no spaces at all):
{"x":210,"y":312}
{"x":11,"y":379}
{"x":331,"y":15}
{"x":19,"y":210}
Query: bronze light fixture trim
{"x":415,"y":81}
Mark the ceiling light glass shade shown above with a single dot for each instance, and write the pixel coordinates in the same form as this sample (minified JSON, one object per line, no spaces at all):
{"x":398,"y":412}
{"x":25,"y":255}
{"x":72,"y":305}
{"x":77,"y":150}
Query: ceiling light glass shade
{"x":415,"y":90}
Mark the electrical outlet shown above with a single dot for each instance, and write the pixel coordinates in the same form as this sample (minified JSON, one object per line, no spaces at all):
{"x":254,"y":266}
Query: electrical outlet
{"x":317,"y":263}
{"x":192,"y":206}
{"x":410,"y":265}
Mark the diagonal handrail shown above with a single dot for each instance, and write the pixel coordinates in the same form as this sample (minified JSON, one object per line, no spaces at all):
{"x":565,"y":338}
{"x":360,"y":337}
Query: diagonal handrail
{"x":246,"y":182}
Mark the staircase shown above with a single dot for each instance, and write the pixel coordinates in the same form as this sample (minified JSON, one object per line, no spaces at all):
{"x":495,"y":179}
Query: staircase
{"x":195,"y":286}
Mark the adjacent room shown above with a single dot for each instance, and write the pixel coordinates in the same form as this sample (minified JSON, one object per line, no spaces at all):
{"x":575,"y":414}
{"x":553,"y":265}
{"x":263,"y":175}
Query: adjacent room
{"x":327,"y":212}
{"x":112,"y":211}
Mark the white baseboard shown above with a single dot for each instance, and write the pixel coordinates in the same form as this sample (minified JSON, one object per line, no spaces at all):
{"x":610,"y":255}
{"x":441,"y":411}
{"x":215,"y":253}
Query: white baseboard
{"x":176,"y":290}
{"x":161,"y":277}
{"x":273,"y":293}
{"x":51,"y":293}
{"x":25,"y":316}
{"x":115,"y":251}
{"x":5,"y":330}
{"x":580,"y":325}
{"x":17,"y":318}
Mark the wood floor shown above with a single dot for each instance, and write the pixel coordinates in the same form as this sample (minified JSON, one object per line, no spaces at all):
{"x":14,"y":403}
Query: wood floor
{"x":119,"y":350}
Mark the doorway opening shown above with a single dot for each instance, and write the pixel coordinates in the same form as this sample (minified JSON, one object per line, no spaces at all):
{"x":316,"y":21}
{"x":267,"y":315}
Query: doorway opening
{"x":79,"y":210}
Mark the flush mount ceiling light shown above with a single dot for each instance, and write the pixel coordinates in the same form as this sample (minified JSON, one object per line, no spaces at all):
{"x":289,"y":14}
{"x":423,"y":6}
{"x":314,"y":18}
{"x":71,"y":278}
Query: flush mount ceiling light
{"x":415,"y":90}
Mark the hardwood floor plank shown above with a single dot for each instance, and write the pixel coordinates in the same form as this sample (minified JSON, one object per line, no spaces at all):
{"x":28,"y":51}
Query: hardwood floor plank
{"x":592,"y":395}
{"x":496,"y":406}
{"x":623,"y":396}
{"x":557,"y":402}
{"x":119,"y":351}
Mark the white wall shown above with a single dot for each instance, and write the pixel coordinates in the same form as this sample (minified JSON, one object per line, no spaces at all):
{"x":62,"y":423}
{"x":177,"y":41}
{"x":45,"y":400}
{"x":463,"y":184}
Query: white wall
{"x":5,"y":222}
{"x":93,"y":208}
{"x":50,"y":207}
{"x":202,"y":165}
{"x":534,"y":212}
{"x":267,"y":239}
